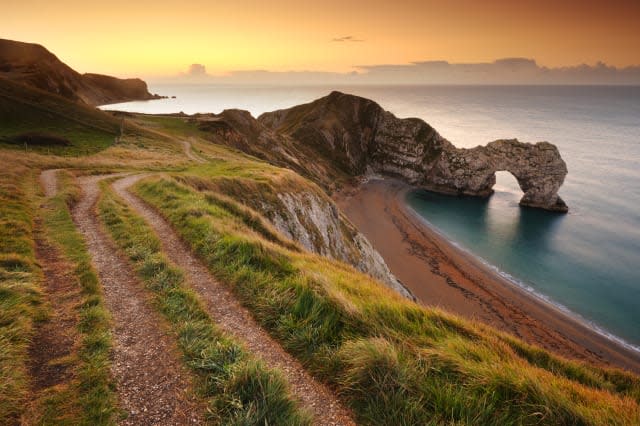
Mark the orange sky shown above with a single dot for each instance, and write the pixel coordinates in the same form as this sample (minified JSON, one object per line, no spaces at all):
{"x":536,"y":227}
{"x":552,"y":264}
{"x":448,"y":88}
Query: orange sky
{"x":163,"y":37}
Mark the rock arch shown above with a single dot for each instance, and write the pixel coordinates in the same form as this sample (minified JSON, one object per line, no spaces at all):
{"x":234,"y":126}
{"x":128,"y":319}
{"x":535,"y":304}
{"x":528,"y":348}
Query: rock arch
{"x":345,"y":135}
{"x":538,"y":169}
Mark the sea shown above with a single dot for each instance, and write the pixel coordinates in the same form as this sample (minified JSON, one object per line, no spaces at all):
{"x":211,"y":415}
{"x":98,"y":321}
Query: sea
{"x":586,"y":262}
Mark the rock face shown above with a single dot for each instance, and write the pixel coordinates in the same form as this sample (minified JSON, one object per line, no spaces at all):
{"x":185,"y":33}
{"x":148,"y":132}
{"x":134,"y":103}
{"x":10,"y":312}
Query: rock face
{"x":33,"y":65}
{"x":302,"y":212}
{"x":315,"y":222}
{"x":355,"y":136}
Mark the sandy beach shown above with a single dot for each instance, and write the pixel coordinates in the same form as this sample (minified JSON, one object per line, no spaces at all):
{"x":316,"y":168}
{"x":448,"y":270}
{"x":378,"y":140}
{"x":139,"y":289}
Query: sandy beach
{"x":440,"y":274}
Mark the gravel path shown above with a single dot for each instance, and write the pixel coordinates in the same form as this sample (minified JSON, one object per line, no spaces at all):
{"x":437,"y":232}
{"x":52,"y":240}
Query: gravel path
{"x":152,"y":385}
{"x":236,"y":320}
{"x":187,"y":151}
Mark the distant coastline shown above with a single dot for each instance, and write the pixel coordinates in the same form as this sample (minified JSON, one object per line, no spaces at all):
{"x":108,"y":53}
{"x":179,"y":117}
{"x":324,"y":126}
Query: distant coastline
{"x":441,"y":274}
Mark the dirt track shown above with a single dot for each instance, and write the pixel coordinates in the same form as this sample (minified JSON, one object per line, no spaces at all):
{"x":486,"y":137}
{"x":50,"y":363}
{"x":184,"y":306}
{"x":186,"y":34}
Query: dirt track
{"x":186,"y":145}
{"x":152,"y":385}
{"x":236,"y":320}
{"x":54,"y":339}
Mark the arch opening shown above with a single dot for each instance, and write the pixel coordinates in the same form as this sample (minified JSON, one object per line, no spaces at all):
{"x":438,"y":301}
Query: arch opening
{"x":507,"y":182}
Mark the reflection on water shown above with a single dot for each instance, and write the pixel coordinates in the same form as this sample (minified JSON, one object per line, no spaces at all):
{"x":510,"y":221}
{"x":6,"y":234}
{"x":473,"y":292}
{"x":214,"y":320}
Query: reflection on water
{"x":536,"y":227}
{"x":496,"y":222}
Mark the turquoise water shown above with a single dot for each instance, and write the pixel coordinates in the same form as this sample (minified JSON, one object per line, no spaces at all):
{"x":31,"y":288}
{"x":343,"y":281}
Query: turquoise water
{"x":587,"y":261}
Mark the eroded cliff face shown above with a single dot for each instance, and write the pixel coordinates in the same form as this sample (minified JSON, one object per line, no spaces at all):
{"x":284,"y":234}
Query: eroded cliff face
{"x":355,"y":135}
{"x":315,"y":222}
{"x":302,"y":212}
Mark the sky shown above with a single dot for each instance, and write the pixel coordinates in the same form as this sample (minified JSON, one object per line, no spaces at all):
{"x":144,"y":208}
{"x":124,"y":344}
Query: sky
{"x":161,"y":38}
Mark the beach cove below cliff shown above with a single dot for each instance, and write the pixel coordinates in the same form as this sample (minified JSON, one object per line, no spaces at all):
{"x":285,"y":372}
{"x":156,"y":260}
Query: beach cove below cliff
{"x":440,"y":274}
{"x":593,"y":248}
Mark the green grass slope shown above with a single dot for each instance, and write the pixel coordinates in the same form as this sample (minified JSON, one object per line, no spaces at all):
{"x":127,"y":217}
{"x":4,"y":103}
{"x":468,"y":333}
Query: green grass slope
{"x":393,"y":361}
{"x":27,"y":110}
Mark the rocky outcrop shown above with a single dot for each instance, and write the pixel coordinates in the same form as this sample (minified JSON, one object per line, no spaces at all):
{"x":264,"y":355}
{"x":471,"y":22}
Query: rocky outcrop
{"x":355,"y":136}
{"x":33,"y":65}
{"x":109,"y":90}
{"x":238,"y":129}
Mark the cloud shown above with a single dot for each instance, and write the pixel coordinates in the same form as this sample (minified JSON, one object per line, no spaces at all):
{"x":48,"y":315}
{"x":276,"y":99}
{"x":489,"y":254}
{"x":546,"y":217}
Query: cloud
{"x":501,"y":71}
{"x":197,"y":70}
{"x":347,"y":39}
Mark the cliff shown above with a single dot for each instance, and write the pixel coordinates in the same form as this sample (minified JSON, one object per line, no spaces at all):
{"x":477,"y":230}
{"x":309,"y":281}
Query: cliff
{"x":34,"y":66}
{"x":302,"y":212}
{"x":340,"y":137}
{"x":355,"y":136}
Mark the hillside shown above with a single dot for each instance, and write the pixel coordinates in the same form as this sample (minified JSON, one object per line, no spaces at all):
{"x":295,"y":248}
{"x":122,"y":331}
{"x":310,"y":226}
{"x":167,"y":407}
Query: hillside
{"x":35,"y":120}
{"x":239,"y":130}
{"x":33,"y":65}
{"x":26,"y":112}
{"x":341,"y":138}
{"x":175,"y":279}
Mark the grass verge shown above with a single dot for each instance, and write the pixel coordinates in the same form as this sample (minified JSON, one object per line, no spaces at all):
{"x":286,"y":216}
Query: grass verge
{"x":239,"y":390}
{"x":20,"y":297}
{"x":392,"y":360}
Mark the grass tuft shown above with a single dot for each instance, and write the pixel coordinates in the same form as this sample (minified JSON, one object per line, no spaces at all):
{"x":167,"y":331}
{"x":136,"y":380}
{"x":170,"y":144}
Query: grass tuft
{"x":20,"y":279}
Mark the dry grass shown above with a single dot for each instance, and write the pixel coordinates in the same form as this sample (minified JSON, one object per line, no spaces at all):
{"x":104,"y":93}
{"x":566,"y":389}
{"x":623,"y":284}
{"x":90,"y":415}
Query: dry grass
{"x":20,"y":279}
{"x":238,"y":389}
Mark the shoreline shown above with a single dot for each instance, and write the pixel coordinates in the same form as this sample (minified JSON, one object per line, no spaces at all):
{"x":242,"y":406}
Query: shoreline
{"x":527,"y":290}
{"x":441,"y":274}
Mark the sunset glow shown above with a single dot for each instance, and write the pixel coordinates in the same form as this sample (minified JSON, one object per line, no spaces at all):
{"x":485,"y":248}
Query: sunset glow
{"x":162,"y":38}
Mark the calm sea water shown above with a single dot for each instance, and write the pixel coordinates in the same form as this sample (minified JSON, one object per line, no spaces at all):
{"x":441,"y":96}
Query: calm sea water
{"x":588,"y":261}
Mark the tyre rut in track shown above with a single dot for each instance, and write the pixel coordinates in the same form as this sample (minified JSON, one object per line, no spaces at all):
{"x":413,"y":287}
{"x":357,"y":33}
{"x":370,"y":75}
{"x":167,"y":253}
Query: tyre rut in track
{"x":152,"y":385}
